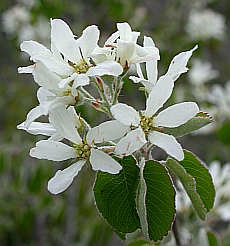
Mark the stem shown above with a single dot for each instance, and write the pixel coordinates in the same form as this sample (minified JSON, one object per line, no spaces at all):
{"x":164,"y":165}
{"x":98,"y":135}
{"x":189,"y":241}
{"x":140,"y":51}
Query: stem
{"x":103,"y":95}
{"x":117,"y":90}
{"x":86,"y":94}
{"x":176,"y":233}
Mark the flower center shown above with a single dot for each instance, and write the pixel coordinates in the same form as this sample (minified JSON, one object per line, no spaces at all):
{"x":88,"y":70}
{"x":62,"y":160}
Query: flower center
{"x":82,"y":67}
{"x":83,"y":151}
{"x":146,"y":124}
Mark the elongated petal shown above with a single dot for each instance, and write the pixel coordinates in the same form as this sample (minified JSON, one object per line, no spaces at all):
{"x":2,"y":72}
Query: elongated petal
{"x":33,"y":115}
{"x":55,"y":102}
{"x":159,"y":95}
{"x":88,"y":41}
{"x":63,"y":39}
{"x":125,"y":114}
{"x":108,"y":67}
{"x":64,"y":178}
{"x":176,"y":115}
{"x":33,"y":48}
{"x":36,"y":128}
{"x":125,"y":31}
{"x":46,"y":78}
{"x":64,"y":82}
{"x":147,"y":84}
{"x":28,"y":69}
{"x":133,"y":141}
{"x":151,"y":66}
{"x":112,"y":38}
{"x":103,"y":162}
{"x":61,"y":120}
{"x":44,"y":95}
{"x":53,"y":150}
{"x":125,"y":51}
{"x":179,"y":63}
{"x":168,"y":143}
{"x":107,"y":131}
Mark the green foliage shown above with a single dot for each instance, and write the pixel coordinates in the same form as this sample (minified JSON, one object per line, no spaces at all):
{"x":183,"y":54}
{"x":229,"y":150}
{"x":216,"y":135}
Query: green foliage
{"x":196,"y":180}
{"x":115,"y":197}
{"x":213,"y":238}
{"x":200,"y":120}
{"x":223,"y":133}
{"x":159,"y":200}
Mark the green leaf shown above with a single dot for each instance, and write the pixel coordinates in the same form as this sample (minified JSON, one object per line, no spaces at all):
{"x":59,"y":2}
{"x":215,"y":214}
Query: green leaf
{"x":213,"y":238}
{"x":223,"y":133}
{"x":115,"y":197}
{"x":139,"y":242}
{"x":200,"y":120}
{"x":159,"y":200}
{"x":196,"y":180}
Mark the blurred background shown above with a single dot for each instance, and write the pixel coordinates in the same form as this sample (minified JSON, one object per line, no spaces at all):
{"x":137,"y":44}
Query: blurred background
{"x":29,"y":214}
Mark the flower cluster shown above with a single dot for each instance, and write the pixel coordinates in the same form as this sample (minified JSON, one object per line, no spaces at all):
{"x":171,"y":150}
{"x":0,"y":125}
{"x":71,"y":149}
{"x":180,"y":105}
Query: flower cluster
{"x":72,"y":63}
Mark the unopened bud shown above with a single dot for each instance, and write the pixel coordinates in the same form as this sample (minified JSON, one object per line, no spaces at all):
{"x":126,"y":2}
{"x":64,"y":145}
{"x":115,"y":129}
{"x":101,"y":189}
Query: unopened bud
{"x":99,"y":81}
{"x":96,"y":105}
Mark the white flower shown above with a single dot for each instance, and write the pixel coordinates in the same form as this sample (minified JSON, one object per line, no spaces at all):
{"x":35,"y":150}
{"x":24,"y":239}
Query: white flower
{"x":206,"y":24}
{"x":176,"y":68}
{"x":148,"y":125}
{"x":68,"y":56}
{"x":201,"y":72}
{"x":221,"y":182}
{"x":219,"y":96}
{"x":122,"y":47}
{"x":65,"y":68}
{"x":82,"y":149}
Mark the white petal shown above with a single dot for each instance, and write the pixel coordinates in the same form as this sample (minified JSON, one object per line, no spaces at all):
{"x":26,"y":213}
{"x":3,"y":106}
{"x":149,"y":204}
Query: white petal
{"x":159,"y":95}
{"x":33,"y":115}
{"x":125,"y":31}
{"x":151,"y":66}
{"x":176,"y":115}
{"x":108,"y":67}
{"x":61,"y":120}
{"x":80,"y":80}
{"x":63,"y":178}
{"x":178,"y":64}
{"x":55,"y":102}
{"x":33,"y":48}
{"x":125,"y":51}
{"x":64,"y":82}
{"x":103,"y":162}
{"x":125,"y":114}
{"x":112,"y":38}
{"x":28,"y":69}
{"x":168,"y":143}
{"x":46,"y":78}
{"x":147,"y":84}
{"x":36,"y":128}
{"x":133,"y":141}
{"x":59,"y":67}
{"x":88,"y":41}
{"x":63,"y":39}
{"x":44,"y":95}
{"x":52,"y":150}
{"x":107,"y":131}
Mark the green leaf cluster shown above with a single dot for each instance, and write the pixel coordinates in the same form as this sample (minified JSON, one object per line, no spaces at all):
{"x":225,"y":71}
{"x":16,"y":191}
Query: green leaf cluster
{"x":142,"y":195}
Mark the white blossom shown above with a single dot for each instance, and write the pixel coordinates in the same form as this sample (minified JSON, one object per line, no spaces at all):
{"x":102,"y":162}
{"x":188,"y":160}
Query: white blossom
{"x":66,"y":67}
{"x":82,"y":150}
{"x":147,"y":125}
{"x":206,"y":24}
{"x":176,"y":67}
{"x":122,"y":47}
{"x":201,"y":72}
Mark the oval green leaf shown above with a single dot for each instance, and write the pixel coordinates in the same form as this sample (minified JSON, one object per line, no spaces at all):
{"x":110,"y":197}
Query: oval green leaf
{"x":115,"y":196}
{"x":159,"y":200}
